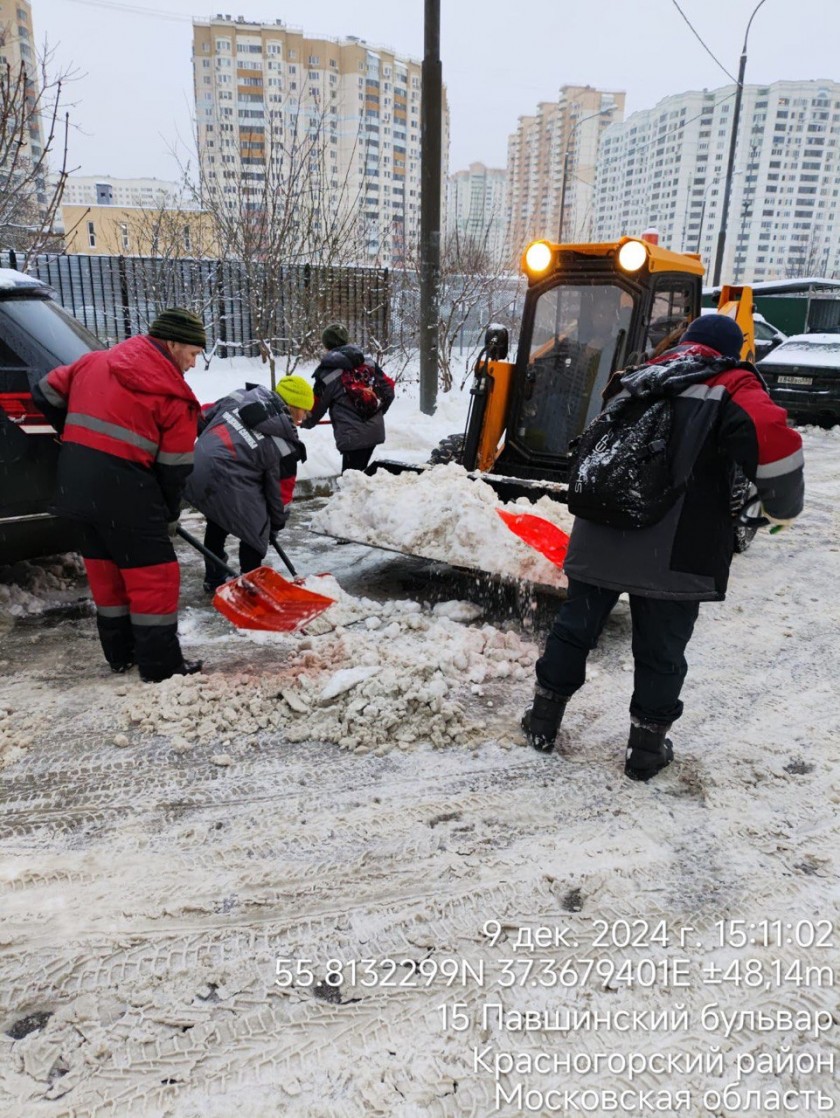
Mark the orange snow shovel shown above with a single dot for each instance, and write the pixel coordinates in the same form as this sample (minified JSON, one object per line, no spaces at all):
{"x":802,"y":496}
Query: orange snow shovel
{"x":539,"y":533}
{"x":262,"y":599}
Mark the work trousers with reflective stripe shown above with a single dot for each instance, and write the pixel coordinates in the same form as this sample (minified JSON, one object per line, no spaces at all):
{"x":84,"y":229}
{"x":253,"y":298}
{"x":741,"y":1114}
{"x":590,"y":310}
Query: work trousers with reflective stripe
{"x":135,"y":579}
{"x":661,"y":630}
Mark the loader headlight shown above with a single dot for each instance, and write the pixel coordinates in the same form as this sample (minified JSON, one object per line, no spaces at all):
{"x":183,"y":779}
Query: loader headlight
{"x":537,"y":257}
{"x":632,"y":256}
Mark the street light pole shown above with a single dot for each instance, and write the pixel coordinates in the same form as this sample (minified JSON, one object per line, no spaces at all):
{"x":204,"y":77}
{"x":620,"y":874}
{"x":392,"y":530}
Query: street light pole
{"x":567,"y":159}
{"x":714,"y":181}
{"x":733,"y":141}
{"x":430,"y":172}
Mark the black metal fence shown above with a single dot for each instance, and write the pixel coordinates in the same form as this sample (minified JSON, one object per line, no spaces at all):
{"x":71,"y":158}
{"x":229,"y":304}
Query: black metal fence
{"x":117,"y":296}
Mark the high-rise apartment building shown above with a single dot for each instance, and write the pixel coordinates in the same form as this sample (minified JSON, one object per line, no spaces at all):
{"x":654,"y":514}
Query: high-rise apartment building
{"x":552,"y":158}
{"x":666,"y":166}
{"x":476,"y":208}
{"x":267,"y":95}
{"x":23,"y":144}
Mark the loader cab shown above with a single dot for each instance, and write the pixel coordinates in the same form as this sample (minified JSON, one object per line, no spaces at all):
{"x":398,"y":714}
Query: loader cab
{"x":590,"y":310}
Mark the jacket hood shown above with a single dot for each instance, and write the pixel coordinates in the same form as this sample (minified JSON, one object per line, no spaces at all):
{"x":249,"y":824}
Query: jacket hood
{"x":345,"y":357}
{"x":141,"y":367}
{"x":674,"y":371}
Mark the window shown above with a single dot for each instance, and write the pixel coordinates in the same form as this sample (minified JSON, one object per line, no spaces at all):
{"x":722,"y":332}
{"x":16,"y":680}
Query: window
{"x":91,"y":235}
{"x":123,"y":235}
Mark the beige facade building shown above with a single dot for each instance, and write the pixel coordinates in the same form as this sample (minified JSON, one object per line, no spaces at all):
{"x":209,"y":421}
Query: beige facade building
{"x":339,"y":117}
{"x":557,"y":147}
{"x":476,"y":207}
{"x":133,"y":231}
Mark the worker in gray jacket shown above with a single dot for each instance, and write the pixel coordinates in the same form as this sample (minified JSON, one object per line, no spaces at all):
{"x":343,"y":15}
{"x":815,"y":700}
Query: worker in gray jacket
{"x":356,"y":393}
{"x":247,"y":446}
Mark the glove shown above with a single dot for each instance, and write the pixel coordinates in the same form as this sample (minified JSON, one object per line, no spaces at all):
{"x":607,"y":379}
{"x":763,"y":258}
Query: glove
{"x":775,"y":524}
{"x":172,"y":528}
{"x":254,"y":413}
{"x":301,"y":453}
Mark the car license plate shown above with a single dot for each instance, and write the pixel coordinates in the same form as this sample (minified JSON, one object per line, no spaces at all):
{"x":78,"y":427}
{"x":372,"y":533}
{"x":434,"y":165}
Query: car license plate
{"x":795,"y":380}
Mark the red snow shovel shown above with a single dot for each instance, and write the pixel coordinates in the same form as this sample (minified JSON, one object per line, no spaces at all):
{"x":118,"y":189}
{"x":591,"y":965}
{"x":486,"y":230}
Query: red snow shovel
{"x":262,"y":599}
{"x":539,"y":533}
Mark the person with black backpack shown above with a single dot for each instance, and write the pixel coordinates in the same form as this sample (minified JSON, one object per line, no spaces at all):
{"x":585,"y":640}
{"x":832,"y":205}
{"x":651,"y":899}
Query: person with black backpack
{"x":650,"y":490}
{"x":356,"y":393}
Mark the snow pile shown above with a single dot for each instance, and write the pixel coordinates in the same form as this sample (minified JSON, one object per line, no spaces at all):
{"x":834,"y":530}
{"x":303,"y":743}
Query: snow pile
{"x":368,"y":677}
{"x":440,"y":514}
{"x":27,"y":589}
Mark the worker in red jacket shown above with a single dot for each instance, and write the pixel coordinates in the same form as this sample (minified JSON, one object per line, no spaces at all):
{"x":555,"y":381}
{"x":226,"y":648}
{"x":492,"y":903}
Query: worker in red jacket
{"x":128,"y":421}
{"x":722,"y":415}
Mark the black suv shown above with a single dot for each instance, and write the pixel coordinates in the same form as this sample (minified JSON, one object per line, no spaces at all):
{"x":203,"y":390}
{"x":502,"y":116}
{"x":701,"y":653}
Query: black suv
{"x":36,"y":335}
{"x":803,"y":375}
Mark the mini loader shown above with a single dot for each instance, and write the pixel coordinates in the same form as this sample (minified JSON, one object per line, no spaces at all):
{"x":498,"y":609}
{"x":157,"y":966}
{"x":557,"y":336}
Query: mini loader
{"x":590,"y":309}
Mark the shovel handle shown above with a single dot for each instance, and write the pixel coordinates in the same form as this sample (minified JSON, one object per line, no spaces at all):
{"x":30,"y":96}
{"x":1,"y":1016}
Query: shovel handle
{"x":205,"y":551}
{"x":283,"y":555}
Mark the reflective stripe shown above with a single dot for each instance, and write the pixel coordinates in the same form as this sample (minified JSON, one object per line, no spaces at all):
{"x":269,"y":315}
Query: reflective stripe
{"x":328,"y":378}
{"x":281,"y":444}
{"x":787,"y":465}
{"x":112,"y":429}
{"x":166,"y":459}
{"x":705,"y":392}
{"x":154,"y":618}
{"x":113,"y":611}
{"x":52,"y":394}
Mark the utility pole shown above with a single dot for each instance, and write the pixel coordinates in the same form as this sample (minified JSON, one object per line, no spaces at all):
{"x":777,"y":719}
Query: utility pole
{"x":430,"y":173}
{"x":733,"y":143}
{"x":567,"y":162}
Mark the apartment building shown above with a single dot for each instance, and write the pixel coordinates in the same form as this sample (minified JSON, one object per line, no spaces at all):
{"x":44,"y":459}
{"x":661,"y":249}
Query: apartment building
{"x":551,"y":165}
{"x":104,"y":190}
{"x":18,"y":49}
{"x":666,"y":166}
{"x":268,"y":95}
{"x":476,"y":207}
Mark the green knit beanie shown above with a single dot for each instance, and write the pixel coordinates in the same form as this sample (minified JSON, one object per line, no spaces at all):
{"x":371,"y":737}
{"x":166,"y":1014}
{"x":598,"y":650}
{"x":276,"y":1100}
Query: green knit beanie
{"x":179,"y":325}
{"x":335,"y":335}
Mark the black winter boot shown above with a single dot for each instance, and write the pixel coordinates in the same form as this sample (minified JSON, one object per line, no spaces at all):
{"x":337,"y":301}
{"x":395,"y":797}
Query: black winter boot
{"x":542,"y":719}
{"x":648,"y":750}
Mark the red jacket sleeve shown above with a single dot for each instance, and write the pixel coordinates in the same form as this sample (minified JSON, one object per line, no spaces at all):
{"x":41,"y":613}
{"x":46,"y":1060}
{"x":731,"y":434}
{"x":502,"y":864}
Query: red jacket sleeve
{"x":755,"y":432}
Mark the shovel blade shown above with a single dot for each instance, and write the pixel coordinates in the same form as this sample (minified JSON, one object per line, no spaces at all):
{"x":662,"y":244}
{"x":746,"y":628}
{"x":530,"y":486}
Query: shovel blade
{"x":263,"y":599}
{"x":539,"y":533}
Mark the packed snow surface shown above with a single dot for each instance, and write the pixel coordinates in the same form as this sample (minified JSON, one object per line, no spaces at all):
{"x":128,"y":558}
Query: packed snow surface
{"x":326,"y":878}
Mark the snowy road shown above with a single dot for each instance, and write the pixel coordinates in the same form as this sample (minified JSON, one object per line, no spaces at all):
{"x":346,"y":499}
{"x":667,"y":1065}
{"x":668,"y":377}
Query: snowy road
{"x":204,"y":911}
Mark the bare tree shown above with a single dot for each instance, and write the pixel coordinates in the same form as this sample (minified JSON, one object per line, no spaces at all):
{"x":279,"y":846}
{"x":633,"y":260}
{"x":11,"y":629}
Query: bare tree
{"x":476,"y":289}
{"x":290,"y":215}
{"x":33,"y":126}
{"x":810,"y":256}
{"x":170,"y":239}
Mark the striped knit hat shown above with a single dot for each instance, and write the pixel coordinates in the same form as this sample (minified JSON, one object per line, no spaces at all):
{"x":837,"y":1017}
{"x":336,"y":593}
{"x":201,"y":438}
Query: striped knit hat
{"x":179,"y":325}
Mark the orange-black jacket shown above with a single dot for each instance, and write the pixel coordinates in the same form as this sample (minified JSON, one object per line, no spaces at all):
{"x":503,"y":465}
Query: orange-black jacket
{"x":129,"y":430}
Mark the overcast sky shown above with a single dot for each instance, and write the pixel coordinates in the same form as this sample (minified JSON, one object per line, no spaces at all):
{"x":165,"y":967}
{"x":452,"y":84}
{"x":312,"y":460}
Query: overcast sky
{"x":133,"y":98}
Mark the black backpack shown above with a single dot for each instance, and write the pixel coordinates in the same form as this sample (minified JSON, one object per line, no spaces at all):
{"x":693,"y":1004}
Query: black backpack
{"x":621,"y":474}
